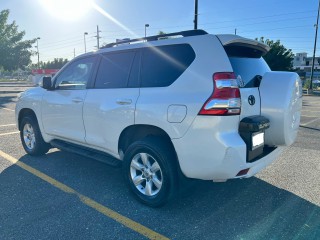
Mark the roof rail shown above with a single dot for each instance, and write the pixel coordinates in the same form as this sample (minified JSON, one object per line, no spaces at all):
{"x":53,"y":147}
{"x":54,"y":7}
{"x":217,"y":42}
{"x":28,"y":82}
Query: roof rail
{"x":157,"y":37}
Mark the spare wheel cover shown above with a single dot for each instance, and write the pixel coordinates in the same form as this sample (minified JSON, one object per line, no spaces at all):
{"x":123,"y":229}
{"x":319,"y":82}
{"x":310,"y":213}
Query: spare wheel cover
{"x":281,"y":102}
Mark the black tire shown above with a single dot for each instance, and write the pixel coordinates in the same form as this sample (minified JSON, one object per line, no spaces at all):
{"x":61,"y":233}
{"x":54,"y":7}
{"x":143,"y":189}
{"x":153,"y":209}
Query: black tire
{"x":33,"y":144}
{"x":158,"y":151}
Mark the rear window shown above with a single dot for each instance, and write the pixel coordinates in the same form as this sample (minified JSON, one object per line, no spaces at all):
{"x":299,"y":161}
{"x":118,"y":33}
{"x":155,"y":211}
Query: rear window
{"x":161,"y":66}
{"x":248,"y":69}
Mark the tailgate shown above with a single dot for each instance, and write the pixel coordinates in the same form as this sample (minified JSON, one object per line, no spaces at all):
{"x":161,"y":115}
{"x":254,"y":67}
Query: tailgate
{"x":273,"y":95}
{"x":250,"y":102}
{"x":249,"y":72}
{"x":245,"y":56}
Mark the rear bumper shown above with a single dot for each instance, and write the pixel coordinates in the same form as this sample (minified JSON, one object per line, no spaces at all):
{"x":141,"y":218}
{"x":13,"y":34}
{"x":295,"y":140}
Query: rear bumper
{"x":211,"y":151}
{"x":263,"y":162}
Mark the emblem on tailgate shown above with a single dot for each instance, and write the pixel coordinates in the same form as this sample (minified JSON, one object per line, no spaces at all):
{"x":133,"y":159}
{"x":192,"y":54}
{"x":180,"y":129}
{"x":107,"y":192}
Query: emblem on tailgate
{"x":251,"y":100}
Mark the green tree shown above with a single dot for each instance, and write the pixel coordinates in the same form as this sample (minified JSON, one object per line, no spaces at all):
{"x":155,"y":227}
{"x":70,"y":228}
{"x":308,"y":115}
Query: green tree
{"x":163,"y":33}
{"x":57,"y":63}
{"x":14,"y":51}
{"x":279,"y":58}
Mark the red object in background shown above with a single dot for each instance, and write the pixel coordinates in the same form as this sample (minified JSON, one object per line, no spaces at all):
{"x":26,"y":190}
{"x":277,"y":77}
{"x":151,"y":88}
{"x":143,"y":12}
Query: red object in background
{"x":45,"y":71}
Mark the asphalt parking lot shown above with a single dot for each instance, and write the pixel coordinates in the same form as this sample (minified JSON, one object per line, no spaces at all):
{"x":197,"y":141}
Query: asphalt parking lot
{"x":64,"y":196}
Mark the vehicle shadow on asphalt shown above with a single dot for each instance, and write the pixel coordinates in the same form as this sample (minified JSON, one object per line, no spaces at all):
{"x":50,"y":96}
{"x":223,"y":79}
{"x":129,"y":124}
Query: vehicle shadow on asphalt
{"x":4,"y":100}
{"x":311,"y":128}
{"x":238,"y":209}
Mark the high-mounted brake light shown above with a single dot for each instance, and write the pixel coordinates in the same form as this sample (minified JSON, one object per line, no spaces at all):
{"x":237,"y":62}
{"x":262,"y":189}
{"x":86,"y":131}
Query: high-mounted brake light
{"x":225,"y":99}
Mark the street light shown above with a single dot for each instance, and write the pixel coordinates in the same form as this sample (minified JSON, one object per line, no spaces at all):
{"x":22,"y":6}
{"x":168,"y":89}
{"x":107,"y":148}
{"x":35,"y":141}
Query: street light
{"x":84,"y":38}
{"x":145,"y":29}
{"x":38,"y":52}
{"x":195,"y":21}
{"x":314,"y":48}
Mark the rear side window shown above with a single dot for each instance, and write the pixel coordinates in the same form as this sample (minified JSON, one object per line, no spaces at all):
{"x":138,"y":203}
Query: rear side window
{"x":249,"y":69}
{"x":114,"y":70}
{"x":161,"y":66}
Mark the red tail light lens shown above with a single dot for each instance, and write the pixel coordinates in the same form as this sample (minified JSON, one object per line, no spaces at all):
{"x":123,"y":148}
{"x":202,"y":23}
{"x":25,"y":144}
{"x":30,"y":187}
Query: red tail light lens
{"x":225,"y":99}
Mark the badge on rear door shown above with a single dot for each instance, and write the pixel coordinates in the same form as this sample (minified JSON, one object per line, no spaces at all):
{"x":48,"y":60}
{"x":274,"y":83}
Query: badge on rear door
{"x":251,"y":100}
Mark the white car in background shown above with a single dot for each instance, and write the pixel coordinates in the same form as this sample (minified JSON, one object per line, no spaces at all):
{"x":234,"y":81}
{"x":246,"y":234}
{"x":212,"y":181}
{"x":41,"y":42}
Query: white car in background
{"x":198,"y":106}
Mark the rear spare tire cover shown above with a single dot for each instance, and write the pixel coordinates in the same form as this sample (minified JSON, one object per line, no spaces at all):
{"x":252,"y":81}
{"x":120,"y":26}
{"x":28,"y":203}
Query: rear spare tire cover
{"x":281,"y":102}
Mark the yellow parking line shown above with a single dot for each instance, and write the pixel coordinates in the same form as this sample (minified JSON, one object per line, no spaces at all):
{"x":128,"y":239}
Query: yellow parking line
{"x":7,"y":125}
{"x":137,"y":227}
{"x":8,"y":109}
{"x":9,"y":133}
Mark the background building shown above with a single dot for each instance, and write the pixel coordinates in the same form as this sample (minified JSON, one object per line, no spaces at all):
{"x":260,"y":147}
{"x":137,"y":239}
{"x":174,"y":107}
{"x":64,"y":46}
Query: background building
{"x":302,"y":62}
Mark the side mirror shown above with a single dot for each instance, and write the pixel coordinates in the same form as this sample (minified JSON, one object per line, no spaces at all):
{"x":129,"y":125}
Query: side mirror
{"x":47,"y":83}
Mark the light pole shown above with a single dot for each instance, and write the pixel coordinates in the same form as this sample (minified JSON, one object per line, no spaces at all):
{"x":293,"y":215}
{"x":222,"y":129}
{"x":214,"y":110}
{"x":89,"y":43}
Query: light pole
{"x":195,"y":21}
{"x":84,"y":38}
{"x":38,"y":52}
{"x":145,"y":30}
{"x":315,"y":47}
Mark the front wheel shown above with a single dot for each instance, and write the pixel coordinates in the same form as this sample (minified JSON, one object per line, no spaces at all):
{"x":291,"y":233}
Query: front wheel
{"x":150,"y":172}
{"x":31,"y":137}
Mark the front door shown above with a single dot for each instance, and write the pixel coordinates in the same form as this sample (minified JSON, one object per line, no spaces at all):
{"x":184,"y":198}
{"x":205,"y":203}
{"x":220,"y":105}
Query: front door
{"x":62,"y":114}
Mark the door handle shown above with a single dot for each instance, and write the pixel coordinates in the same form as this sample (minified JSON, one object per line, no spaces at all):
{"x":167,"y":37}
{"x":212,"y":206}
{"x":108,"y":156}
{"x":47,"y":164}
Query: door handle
{"x":77,"y":100}
{"x":124,"y":101}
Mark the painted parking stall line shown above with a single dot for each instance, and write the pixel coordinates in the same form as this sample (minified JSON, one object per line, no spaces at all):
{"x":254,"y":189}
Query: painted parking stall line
{"x":135,"y":226}
{"x":312,"y":121}
{"x":7,"y":125}
{"x":309,"y":116}
{"x":9,"y":133}
{"x":8,"y":109}
{"x":306,"y":110}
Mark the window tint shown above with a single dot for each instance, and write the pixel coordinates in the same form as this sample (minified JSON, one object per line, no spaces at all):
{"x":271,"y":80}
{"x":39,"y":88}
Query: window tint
{"x":114,"y":70}
{"x":161,"y":66}
{"x":76,"y":75}
{"x":249,"y":68}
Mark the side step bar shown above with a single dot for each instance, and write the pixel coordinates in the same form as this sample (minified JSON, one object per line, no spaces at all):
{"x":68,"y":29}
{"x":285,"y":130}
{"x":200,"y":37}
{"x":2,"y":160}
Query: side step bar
{"x":86,"y":152}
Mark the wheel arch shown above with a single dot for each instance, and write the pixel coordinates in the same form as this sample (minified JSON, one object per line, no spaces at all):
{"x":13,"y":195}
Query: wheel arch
{"x":26,"y":112}
{"x":140,"y":131}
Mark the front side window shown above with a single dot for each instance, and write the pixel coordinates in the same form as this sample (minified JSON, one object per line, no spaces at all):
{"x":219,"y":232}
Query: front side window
{"x":76,"y":75}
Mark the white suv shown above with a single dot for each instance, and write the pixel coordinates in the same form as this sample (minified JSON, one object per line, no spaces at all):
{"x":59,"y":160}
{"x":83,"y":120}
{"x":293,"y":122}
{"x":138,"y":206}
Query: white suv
{"x":198,"y":106}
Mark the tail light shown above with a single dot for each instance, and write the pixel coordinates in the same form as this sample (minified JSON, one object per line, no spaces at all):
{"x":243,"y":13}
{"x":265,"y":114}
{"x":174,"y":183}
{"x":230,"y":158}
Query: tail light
{"x":225,"y":99}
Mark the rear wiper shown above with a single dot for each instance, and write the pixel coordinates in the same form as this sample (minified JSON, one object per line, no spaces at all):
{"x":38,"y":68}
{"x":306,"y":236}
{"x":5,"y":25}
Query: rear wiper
{"x":257,"y":80}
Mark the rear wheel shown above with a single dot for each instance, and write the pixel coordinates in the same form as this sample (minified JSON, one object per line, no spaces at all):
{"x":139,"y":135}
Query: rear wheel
{"x":150,"y":172}
{"x":31,"y":137}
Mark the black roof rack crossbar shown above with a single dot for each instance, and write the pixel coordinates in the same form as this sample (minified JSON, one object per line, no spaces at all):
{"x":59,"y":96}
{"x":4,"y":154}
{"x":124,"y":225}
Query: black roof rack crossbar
{"x":157,"y":37}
